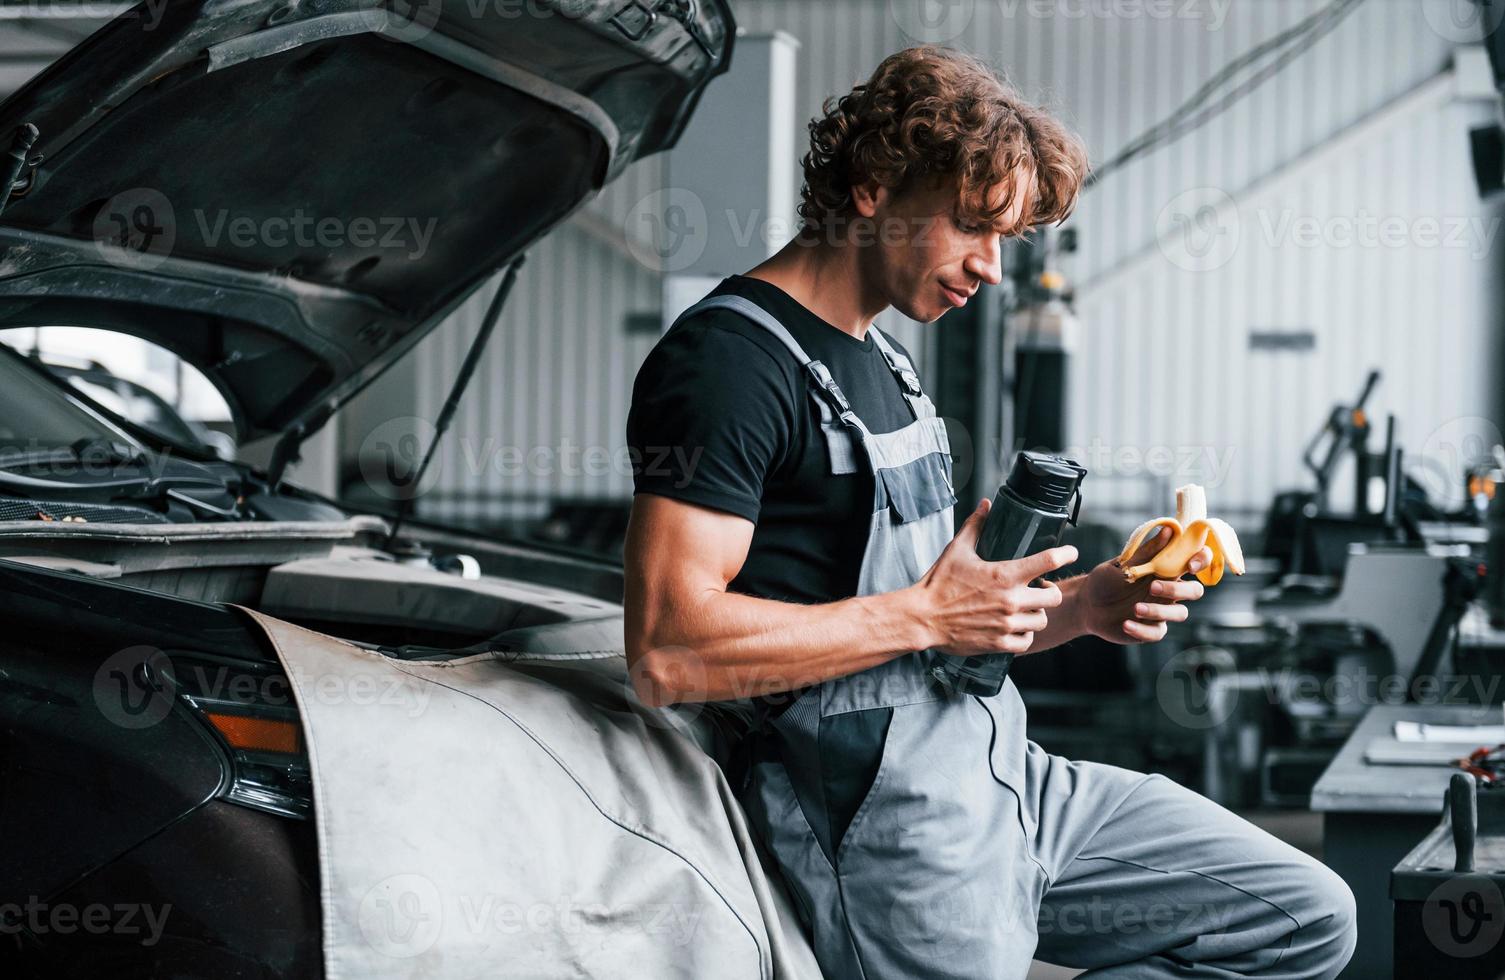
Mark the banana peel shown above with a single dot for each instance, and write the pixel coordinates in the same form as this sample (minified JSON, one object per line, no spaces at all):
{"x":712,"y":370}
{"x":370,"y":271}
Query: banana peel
{"x":1191,"y":530}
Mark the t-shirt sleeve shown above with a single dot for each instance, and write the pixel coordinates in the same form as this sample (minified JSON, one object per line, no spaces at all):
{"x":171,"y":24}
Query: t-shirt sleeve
{"x":711,"y":418}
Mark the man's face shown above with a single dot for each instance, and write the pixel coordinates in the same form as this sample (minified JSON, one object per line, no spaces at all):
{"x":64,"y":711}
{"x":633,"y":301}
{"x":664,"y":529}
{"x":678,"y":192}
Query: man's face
{"x":923,"y":258}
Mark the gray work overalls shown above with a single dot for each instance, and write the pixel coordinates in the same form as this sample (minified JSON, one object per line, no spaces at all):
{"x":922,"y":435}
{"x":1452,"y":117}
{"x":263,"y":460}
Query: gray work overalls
{"x":923,"y":835}
{"x":876,"y":792}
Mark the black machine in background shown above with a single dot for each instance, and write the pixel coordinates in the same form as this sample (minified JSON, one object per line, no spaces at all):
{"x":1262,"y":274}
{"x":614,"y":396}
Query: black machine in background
{"x":1380,"y":589}
{"x":1488,"y":142}
{"x":1039,"y":343}
{"x":1347,"y":429}
{"x":1308,"y":535}
{"x":967,"y":363}
{"x":1000,"y":364}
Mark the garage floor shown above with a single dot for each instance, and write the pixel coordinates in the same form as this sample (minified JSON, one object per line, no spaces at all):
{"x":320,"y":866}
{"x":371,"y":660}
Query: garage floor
{"x":1300,"y":829}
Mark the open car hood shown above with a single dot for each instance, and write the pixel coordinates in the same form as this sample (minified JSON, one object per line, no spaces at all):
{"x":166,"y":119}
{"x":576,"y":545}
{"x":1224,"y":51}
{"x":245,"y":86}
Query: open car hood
{"x":290,"y":193}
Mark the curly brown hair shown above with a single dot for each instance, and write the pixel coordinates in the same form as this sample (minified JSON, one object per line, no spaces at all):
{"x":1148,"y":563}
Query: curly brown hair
{"x":932,"y":112}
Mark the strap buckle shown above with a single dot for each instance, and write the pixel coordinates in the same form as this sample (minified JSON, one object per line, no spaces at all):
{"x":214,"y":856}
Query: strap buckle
{"x":837,"y":395}
{"x":911,"y":381}
{"x":825,"y":380}
{"x":904,"y":371}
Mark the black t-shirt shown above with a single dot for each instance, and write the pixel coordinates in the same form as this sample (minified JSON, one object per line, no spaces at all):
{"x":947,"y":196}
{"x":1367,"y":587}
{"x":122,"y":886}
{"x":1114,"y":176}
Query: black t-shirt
{"x":722,"y":416}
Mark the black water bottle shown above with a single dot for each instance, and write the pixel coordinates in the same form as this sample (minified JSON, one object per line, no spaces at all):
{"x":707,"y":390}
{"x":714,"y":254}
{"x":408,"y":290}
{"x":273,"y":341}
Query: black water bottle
{"x":1041,"y":496}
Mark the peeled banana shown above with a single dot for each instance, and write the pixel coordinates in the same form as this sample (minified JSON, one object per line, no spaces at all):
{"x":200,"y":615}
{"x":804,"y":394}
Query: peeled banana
{"x":1191,"y":529}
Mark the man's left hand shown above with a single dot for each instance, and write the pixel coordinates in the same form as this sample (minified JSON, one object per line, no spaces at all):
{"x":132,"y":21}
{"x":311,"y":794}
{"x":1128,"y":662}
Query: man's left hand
{"x":1120,"y":611}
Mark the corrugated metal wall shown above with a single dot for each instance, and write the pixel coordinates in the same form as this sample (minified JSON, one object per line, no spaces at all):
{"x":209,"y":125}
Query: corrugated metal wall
{"x":1164,"y":362}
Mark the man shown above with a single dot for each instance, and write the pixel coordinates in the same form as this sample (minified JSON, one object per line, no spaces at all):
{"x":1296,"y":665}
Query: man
{"x":794,"y":551}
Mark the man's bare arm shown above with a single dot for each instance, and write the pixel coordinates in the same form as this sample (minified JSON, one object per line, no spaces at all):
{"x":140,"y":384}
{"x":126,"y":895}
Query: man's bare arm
{"x":689,"y":639}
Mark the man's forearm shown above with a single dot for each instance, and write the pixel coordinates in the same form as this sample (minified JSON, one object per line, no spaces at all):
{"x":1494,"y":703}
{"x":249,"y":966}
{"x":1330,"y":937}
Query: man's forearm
{"x":724,"y":645}
{"x":729,"y":645}
{"x":689,"y":638}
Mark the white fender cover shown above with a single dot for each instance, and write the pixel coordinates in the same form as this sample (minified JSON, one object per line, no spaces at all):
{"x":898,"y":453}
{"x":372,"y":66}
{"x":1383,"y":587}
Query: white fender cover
{"x":520,"y":814}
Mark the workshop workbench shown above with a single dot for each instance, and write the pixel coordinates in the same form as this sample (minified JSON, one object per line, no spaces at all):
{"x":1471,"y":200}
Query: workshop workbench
{"x":1373,"y":815}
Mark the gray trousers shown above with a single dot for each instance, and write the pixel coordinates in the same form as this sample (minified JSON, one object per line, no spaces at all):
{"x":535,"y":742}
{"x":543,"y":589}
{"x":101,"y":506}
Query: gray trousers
{"x":1128,"y":875}
{"x":973,"y":850}
{"x":1162,"y":882}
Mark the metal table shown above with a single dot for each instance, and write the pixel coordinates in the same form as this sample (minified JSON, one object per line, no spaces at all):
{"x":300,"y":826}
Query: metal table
{"x":1374,"y":814}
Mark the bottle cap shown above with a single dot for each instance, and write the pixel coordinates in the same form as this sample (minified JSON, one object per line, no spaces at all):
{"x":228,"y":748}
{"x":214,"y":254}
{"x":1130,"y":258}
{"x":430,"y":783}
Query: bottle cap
{"x":1050,"y":481}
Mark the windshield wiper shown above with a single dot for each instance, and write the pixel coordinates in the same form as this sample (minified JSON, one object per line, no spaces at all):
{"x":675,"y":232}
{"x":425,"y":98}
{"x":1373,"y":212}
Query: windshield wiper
{"x":131,"y":473}
{"x":88,"y":451}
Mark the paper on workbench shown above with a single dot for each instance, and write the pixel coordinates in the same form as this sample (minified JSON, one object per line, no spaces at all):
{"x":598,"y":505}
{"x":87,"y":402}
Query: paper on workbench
{"x":1414,"y":731}
{"x":1387,"y":751}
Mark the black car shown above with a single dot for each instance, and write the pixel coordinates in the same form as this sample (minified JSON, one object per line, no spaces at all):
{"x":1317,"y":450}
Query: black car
{"x":150,"y":758}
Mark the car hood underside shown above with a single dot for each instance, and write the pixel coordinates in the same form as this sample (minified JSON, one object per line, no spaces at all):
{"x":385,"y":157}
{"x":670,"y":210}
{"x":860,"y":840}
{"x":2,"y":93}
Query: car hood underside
{"x":290,"y":195}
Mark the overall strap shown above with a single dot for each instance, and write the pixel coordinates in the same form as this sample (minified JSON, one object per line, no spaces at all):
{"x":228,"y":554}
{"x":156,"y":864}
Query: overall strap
{"x":839,"y":424}
{"x":756,"y":314}
{"x":909,"y":379}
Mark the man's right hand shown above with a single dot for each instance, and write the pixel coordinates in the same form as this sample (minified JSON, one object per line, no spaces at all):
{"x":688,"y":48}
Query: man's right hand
{"x":975,"y":606}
